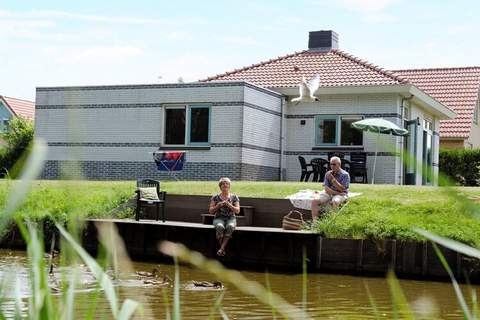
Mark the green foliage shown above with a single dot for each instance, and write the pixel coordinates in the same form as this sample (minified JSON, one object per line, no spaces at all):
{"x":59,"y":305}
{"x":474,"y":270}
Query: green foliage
{"x":61,"y":200}
{"x":461,"y":165}
{"x":41,"y":304}
{"x":18,"y":140}
{"x":384,"y":212}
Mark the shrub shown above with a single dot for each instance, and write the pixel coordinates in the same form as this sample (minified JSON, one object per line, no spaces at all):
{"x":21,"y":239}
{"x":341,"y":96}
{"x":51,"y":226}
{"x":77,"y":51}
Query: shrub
{"x":461,"y":165}
{"x":18,"y":140}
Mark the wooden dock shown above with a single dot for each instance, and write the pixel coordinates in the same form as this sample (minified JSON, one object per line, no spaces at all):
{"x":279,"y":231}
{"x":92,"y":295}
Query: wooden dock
{"x":275,"y":248}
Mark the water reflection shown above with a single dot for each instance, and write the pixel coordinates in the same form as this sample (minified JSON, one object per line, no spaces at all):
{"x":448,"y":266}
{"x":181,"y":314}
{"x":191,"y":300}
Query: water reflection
{"x":328,"y":296}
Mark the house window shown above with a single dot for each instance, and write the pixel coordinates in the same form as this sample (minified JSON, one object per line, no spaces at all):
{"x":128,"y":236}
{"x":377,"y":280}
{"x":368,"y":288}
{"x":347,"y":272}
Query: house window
{"x":185,"y":125}
{"x":350,"y":136}
{"x":326,"y":131}
{"x":199,"y":125}
{"x":337,"y":131}
{"x":175,"y":125}
{"x":427,"y":151}
{"x":4,"y":125}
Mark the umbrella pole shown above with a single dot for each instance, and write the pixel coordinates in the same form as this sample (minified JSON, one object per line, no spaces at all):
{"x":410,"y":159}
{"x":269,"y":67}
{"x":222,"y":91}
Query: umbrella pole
{"x":375,"y":159}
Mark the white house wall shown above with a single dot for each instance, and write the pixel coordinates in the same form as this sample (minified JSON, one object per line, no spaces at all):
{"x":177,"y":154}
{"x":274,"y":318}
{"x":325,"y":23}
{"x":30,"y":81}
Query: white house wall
{"x":110,"y":132}
{"x":301,"y":140}
{"x":421,"y":114}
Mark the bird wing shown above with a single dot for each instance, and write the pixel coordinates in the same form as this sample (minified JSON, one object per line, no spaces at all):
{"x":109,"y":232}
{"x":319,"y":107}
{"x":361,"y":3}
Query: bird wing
{"x":314,"y":84}
{"x":303,"y":89}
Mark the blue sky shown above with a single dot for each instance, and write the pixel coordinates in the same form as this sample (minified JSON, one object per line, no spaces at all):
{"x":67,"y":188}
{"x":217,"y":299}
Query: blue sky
{"x":50,"y":43}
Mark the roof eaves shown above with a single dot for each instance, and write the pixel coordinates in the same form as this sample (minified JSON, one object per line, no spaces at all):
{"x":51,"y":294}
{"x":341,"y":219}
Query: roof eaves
{"x":6,"y":104}
{"x":438,"y":108}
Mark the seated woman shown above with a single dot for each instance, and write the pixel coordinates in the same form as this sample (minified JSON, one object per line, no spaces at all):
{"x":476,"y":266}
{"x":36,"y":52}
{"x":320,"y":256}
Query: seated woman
{"x":225,"y":206}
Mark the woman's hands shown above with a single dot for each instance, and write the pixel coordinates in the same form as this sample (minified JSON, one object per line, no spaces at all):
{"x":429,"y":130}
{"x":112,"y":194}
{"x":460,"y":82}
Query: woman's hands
{"x":214,"y":207}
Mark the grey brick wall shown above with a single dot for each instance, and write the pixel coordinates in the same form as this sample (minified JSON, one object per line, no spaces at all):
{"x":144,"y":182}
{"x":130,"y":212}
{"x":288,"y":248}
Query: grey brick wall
{"x":132,"y":170}
{"x":111,"y":131}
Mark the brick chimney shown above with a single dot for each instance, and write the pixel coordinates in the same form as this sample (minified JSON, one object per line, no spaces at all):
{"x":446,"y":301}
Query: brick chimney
{"x":323,"y":40}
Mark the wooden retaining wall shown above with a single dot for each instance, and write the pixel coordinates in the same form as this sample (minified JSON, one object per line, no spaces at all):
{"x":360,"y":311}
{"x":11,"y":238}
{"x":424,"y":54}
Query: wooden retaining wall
{"x":259,"y":248}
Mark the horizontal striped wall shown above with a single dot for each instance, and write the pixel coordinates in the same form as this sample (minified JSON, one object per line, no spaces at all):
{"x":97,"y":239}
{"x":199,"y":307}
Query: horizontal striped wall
{"x":132,"y":170}
{"x":103,"y":127}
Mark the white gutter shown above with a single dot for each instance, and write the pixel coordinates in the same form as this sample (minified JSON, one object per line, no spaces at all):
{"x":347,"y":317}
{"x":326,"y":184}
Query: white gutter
{"x":420,"y":98}
{"x":283,"y":103}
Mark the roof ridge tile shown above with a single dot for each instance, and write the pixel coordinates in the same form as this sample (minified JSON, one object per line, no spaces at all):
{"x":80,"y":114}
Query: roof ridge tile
{"x":371,"y":66}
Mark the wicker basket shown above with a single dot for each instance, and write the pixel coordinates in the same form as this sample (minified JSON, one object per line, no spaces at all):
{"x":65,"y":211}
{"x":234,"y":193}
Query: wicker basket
{"x":291,"y":223}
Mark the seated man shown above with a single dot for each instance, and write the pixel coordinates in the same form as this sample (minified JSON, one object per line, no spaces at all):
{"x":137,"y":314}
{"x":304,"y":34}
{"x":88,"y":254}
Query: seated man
{"x":336,"y":185}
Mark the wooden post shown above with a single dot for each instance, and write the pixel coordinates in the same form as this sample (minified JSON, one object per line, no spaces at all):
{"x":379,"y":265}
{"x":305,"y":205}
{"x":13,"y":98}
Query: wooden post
{"x":318,"y":262}
{"x":424,"y":258}
{"x":359,"y":265}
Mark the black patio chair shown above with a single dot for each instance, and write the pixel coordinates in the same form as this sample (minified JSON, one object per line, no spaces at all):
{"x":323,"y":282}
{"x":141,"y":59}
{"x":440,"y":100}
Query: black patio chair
{"x":320,"y":167}
{"x":142,"y":203}
{"x":341,"y":155}
{"x":305,"y":172}
{"x":358,"y":166}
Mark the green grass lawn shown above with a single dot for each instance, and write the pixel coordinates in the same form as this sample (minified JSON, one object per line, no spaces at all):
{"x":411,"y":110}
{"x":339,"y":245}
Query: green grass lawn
{"x":382,"y":211}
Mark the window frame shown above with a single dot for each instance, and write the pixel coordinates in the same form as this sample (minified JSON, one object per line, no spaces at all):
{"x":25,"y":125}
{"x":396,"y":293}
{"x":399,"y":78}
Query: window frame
{"x":188,"y":118}
{"x":189,"y":124}
{"x":326,"y":117}
{"x":338,"y":131}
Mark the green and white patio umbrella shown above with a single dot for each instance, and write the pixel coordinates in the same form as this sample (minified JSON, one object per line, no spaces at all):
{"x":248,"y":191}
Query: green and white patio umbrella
{"x":379,"y":126}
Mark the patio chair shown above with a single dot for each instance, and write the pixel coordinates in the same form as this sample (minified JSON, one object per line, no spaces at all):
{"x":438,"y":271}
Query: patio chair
{"x":143,"y":203}
{"x":341,"y":155}
{"x":320,"y":167}
{"x":305,"y":172}
{"x":358,"y":166}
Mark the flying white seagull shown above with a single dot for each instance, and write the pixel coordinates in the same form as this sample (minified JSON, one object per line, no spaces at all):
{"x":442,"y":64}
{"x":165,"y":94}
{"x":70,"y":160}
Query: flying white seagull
{"x":307,"y":90}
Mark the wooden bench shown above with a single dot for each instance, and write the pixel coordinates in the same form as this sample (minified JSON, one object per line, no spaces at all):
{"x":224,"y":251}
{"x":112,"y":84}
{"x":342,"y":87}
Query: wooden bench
{"x":244,"y":217}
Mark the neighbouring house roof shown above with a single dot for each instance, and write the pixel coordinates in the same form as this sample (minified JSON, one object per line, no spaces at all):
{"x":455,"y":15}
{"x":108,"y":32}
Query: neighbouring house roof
{"x":456,"y":88}
{"x":20,"y":107}
{"x":335,"y":67}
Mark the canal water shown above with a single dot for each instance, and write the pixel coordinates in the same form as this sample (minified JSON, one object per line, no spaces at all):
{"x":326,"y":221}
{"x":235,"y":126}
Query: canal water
{"x":328,"y":296}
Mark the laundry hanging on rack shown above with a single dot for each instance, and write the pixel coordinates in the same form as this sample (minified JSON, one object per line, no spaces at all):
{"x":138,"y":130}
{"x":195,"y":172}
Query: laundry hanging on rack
{"x":169,"y":160}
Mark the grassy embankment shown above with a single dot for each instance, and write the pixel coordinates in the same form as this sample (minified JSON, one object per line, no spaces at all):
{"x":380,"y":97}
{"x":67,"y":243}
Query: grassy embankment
{"x":382,"y":211}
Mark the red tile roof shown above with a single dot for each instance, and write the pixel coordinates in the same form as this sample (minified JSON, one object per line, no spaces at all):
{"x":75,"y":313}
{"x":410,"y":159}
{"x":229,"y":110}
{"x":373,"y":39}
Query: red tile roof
{"x":20,"y":107}
{"x":335,"y":67}
{"x":456,"y":88}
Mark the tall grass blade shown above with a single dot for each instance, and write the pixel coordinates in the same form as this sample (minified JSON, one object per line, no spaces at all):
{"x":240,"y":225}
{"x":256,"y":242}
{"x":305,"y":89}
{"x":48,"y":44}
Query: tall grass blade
{"x":176,"y":292}
{"x":451,"y":244}
{"x":69,"y":303}
{"x":399,"y":300}
{"x":458,"y":292}
{"x":101,"y":276}
{"x":128,"y":309}
{"x":166,"y":304}
{"x":32,"y":170}
{"x":269,"y":289}
{"x":115,"y":247}
{"x":235,"y":278}
{"x":16,"y":196}
{"x":217,"y":307}
{"x":474,"y":303}
{"x":41,"y":305}
{"x":372,"y":302}
{"x":18,"y":299}
{"x":304,"y":279}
